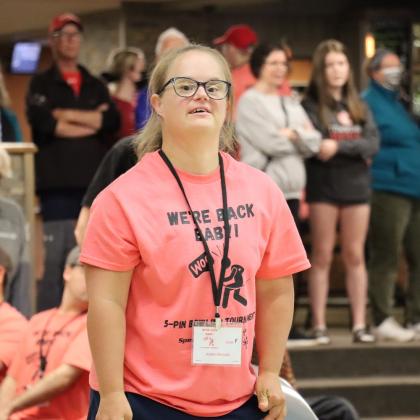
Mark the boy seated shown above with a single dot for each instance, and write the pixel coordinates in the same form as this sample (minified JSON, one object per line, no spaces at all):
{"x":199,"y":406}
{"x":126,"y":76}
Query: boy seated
{"x":48,"y":377}
{"x":12,"y":322}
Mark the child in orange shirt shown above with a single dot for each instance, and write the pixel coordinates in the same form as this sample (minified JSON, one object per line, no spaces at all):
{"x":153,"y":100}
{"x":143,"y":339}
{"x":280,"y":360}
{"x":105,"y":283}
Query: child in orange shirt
{"x":12,"y":322}
{"x":48,"y":377}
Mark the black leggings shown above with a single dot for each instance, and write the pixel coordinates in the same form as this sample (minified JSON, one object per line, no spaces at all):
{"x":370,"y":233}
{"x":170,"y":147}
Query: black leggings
{"x":294,"y":206}
{"x":146,"y":409}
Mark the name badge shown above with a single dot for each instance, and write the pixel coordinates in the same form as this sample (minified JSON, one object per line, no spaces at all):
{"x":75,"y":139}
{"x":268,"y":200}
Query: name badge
{"x":217,"y":346}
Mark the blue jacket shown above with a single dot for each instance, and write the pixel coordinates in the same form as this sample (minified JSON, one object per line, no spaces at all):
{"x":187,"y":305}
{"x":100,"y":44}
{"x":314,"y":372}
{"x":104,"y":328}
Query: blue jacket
{"x":396,"y":167}
{"x":9,"y":126}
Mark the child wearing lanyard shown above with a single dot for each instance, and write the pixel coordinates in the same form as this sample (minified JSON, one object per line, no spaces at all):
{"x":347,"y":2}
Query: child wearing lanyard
{"x":189,"y":255}
{"x":48,"y":376}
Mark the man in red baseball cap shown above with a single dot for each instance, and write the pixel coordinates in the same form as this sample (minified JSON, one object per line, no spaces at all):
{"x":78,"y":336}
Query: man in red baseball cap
{"x":240,"y":36}
{"x":62,"y":20}
{"x":237,"y":45}
{"x":71,"y":116}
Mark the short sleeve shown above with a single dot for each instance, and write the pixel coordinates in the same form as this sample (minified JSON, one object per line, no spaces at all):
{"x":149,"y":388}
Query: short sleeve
{"x":17,"y":361}
{"x":78,"y":353}
{"x":284,"y":254}
{"x":10,"y":341}
{"x":110,"y":242}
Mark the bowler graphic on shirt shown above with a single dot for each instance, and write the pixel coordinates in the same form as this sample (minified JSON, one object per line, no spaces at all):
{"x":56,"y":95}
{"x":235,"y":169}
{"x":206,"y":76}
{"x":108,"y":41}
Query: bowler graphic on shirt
{"x":141,"y":223}
{"x":231,"y":282}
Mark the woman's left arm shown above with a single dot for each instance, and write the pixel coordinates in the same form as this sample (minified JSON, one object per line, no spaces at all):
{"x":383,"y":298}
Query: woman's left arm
{"x":274,"y":317}
{"x":308,"y":139}
{"x":368,"y":145}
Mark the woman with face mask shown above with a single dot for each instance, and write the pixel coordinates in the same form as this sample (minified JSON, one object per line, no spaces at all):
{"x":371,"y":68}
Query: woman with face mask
{"x":338,"y":186}
{"x":385,"y":68}
{"x":395,"y":218}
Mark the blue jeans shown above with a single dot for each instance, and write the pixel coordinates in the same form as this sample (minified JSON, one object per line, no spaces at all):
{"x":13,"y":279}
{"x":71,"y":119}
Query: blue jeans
{"x":146,"y":409}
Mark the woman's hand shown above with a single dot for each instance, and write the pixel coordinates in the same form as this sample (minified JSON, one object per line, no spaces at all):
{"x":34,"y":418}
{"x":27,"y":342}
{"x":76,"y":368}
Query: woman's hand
{"x":270,"y":396}
{"x":327,"y":149}
{"x":289,"y":133}
{"x":114,"y":406}
{"x":5,"y":412}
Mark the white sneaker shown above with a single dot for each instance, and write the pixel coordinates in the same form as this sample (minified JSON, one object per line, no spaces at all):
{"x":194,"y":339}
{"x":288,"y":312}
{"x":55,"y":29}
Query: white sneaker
{"x":416,"y":329}
{"x":389,"y":329}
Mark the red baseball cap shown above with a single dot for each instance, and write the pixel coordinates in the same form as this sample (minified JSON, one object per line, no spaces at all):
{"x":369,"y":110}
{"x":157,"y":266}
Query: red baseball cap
{"x":61,"y":20}
{"x":240,"y":36}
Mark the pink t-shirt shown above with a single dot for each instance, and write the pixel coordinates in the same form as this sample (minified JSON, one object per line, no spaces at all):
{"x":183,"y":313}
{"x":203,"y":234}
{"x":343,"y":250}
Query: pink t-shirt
{"x":65,"y":342}
{"x":12,"y":327}
{"x":141,"y":222}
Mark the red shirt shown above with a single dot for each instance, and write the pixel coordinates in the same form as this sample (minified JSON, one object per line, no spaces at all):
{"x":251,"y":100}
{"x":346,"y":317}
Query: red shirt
{"x":127,"y":112}
{"x":12,"y":327}
{"x":242,"y":79}
{"x":74,"y":80}
{"x":65,"y":342}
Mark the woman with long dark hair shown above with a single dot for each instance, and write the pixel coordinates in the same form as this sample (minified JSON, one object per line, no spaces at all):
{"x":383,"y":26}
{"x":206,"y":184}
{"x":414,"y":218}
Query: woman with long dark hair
{"x":338,"y":185}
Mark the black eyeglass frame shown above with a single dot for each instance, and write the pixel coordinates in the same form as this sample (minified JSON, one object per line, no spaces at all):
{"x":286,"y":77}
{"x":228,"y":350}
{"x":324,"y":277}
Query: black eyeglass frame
{"x":60,"y":34}
{"x":204,"y":84}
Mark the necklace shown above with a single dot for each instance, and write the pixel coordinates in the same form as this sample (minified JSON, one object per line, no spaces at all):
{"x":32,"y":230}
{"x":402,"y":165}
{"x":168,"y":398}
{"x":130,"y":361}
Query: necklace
{"x":43,"y":356}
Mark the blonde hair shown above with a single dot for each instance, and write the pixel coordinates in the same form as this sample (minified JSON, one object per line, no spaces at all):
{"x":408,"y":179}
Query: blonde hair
{"x":4,"y":95}
{"x":150,"y":137}
{"x":123,"y":60}
{"x":5,"y":164}
{"x":317,"y":89}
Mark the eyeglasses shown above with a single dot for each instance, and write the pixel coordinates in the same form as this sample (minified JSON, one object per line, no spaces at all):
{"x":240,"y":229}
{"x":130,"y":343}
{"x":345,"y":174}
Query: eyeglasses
{"x":186,"y":87}
{"x":277,"y":63}
{"x":68,"y":35}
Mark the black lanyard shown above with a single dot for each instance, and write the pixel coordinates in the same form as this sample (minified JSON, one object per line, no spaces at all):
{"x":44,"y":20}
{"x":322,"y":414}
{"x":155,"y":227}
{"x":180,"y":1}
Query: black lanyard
{"x":43,"y":357}
{"x":216,"y":288}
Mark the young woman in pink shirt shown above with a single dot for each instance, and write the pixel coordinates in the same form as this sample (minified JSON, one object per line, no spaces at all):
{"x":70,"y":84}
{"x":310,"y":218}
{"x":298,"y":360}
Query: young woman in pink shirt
{"x":189,"y":256}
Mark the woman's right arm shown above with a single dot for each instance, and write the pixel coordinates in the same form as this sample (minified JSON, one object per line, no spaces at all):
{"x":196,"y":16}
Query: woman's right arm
{"x":258,"y":128}
{"x":108,"y":293}
{"x":308,"y":139}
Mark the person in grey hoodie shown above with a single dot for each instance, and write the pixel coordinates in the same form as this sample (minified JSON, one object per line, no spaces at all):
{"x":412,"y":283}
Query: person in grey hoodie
{"x":276,"y":135}
{"x":274,"y":132}
{"x":14,"y":241}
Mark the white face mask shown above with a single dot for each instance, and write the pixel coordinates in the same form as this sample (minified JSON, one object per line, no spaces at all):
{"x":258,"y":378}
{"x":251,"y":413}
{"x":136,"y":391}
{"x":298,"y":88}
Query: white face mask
{"x":392,"y":77}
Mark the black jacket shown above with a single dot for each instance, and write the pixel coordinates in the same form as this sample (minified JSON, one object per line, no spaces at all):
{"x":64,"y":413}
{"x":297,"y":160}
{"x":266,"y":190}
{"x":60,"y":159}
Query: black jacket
{"x":119,"y":159}
{"x":63,"y":163}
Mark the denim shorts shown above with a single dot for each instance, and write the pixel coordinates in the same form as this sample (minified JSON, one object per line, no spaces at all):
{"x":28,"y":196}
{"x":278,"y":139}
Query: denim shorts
{"x":146,"y":409}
